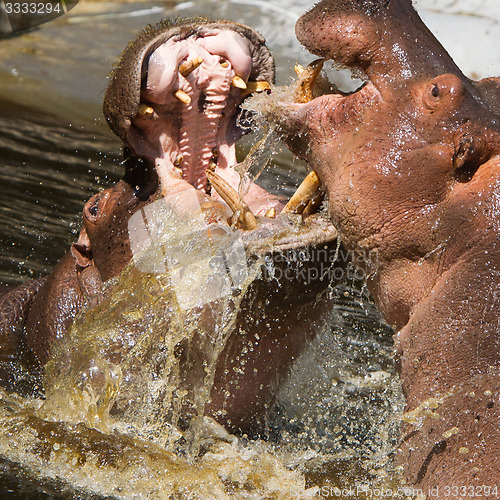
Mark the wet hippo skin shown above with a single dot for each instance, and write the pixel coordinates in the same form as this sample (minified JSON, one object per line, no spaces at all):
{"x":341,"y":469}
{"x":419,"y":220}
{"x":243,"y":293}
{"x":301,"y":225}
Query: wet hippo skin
{"x":411,"y":164}
{"x":101,"y":252}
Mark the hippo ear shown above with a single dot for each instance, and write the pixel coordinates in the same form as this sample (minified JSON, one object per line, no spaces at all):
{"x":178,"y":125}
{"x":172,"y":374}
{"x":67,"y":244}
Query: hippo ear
{"x":468,"y":156}
{"x":82,"y":251}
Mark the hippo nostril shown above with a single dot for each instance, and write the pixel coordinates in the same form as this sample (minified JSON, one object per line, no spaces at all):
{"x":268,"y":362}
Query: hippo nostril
{"x":470,"y":153}
{"x":435,"y":91}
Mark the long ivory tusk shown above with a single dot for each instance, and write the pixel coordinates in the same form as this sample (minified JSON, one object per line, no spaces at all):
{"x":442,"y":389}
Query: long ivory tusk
{"x":189,"y":66}
{"x":307,"y":77}
{"x":307,"y":191}
{"x":245,"y":216}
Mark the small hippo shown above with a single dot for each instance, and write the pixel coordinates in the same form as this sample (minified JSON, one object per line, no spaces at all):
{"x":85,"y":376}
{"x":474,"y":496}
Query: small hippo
{"x":411,"y":164}
{"x":174,"y":99}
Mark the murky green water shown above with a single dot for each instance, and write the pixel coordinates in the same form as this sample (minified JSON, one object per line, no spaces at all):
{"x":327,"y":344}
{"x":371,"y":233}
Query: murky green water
{"x":336,"y":418}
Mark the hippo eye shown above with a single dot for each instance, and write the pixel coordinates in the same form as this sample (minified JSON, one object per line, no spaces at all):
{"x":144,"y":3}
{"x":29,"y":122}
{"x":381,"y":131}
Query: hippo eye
{"x":94,"y":210}
{"x":435,"y":91}
{"x":91,"y":210}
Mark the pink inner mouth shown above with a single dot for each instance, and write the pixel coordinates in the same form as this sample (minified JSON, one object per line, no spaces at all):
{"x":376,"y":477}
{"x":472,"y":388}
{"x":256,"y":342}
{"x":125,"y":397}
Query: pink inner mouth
{"x":184,"y":139}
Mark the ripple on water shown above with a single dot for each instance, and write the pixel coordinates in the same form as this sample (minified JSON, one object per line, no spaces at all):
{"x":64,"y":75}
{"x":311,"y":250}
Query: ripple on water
{"x":49,"y":170}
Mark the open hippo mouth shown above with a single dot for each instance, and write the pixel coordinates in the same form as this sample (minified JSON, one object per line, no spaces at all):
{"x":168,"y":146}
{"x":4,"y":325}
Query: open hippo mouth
{"x":175,"y":99}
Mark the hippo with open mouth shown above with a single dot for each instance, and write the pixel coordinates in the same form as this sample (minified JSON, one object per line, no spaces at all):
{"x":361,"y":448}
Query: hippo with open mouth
{"x":410,"y":162}
{"x":174,"y":99}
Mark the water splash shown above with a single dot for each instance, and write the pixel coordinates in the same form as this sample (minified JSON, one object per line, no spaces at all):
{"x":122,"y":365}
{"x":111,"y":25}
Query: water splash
{"x":258,"y":159}
{"x":103,"y":429}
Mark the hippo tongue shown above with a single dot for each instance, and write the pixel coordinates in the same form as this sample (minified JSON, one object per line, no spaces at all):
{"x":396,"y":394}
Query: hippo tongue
{"x":370,"y":37}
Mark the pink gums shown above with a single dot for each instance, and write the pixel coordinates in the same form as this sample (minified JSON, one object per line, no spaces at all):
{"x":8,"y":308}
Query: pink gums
{"x":209,"y":87}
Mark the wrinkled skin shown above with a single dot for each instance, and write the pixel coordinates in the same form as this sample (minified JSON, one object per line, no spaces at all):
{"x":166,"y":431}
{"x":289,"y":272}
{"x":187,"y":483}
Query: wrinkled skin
{"x":155,"y":141}
{"x":410,"y":162}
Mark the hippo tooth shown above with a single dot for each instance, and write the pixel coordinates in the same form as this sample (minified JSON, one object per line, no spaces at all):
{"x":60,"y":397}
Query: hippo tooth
{"x":259,"y":86}
{"x":299,"y":69}
{"x":307,"y":77}
{"x":238,"y":82}
{"x":245,"y":216}
{"x":224,"y":64}
{"x":271,"y":213}
{"x":313,"y":206}
{"x":144,"y":110}
{"x":183,"y":97}
{"x":189,"y":66}
{"x":307,"y":191}
{"x":178,"y":160}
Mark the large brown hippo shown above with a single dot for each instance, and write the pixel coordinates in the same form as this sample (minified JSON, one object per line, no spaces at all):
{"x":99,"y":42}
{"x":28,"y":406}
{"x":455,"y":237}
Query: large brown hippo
{"x":411,"y":164}
{"x":174,"y":98}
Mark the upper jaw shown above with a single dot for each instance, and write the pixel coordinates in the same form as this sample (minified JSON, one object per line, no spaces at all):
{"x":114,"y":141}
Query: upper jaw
{"x":123,"y":94}
{"x":183,"y":116}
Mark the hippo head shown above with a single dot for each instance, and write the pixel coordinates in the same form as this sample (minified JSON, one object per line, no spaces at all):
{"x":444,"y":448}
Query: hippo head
{"x":174,"y":100}
{"x":404,"y":158}
{"x":104,"y":240}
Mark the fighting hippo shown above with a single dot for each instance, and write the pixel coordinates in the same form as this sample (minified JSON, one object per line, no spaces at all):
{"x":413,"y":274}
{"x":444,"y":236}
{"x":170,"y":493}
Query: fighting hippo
{"x":174,"y":99}
{"x":410,"y":162}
